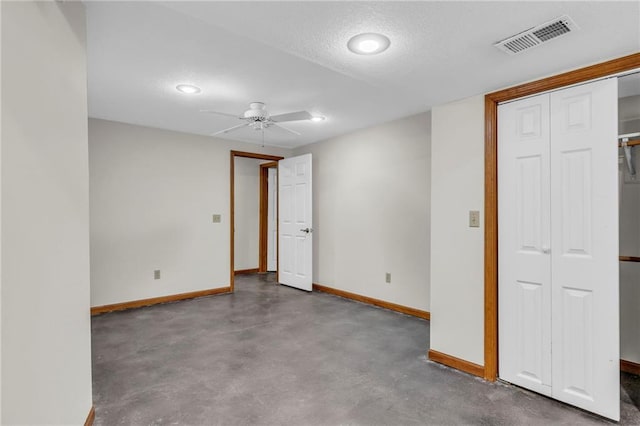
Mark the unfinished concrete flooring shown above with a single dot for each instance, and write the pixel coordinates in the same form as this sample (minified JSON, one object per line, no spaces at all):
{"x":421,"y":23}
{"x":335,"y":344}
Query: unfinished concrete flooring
{"x":272,"y":355}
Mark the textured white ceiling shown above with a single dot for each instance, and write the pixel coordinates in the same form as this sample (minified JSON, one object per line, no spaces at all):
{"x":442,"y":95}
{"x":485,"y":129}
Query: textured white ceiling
{"x":293,"y":56}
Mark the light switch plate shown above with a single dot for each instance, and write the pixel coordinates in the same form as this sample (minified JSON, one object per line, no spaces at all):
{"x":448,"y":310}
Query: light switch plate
{"x":474,"y":218}
{"x":217,"y":218}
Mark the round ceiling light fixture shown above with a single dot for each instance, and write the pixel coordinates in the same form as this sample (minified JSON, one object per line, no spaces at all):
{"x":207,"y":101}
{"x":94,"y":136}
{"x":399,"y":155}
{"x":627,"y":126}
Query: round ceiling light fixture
{"x":368,"y":43}
{"x":188,"y":89}
{"x":317,"y":118}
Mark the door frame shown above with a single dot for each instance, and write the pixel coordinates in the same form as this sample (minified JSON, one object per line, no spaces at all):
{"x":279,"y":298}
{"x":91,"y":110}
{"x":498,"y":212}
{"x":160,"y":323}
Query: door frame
{"x":601,"y":70}
{"x":264,"y":215}
{"x":233,"y":155}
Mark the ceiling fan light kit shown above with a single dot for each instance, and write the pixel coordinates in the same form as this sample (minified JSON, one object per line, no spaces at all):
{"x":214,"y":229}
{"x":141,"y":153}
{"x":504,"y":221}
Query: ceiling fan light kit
{"x":256,"y":111}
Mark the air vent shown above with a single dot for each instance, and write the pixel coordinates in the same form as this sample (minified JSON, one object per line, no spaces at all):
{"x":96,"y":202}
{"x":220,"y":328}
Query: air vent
{"x":537,"y":35}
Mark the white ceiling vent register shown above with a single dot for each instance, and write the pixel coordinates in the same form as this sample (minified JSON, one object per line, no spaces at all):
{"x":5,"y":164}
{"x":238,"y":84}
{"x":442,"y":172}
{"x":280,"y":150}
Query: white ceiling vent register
{"x":537,"y":35}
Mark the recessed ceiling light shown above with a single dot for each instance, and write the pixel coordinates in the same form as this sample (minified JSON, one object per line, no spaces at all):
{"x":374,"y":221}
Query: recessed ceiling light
{"x":317,"y":118}
{"x":188,"y":89}
{"x":368,"y":44}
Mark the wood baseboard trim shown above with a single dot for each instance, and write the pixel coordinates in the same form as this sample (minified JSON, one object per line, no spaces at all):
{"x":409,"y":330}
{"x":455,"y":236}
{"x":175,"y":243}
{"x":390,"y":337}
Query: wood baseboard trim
{"x":630,"y":367}
{"x":246,"y":271}
{"x":371,"y":301}
{"x":90,"y":417}
{"x":457,"y":363}
{"x":97,"y":310}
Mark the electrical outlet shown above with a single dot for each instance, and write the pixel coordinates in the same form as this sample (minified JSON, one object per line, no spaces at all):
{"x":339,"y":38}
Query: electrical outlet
{"x":387,"y":277}
{"x":216,"y":218}
{"x":474,"y":218}
{"x":156,"y":274}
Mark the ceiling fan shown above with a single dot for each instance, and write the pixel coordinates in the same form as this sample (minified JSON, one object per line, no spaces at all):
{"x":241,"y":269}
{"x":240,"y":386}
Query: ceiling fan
{"x":257,"y":117}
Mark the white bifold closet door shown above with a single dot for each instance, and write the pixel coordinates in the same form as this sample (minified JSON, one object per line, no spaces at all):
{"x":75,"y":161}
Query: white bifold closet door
{"x":524,"y":240}
{"x":558,"y":246}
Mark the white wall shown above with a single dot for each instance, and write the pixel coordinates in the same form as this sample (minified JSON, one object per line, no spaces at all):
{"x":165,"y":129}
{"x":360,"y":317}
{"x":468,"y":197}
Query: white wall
{"x":457,"y":251}
{"x":46,"y":342}
{"x":247,"y":212}
{"x":0,"y":224}
{"x":153,"y":193}
{"x":371,"y":211}
{"x":629,"y":111}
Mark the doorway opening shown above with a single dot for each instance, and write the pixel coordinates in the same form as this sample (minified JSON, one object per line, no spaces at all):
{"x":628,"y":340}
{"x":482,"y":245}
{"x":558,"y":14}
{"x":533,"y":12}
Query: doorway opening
{"x":609,"y":68}
{"x":268,"y":241}
{"x":269,"y":159}
{"x":595,"y":72}
{"x":629,"y":212}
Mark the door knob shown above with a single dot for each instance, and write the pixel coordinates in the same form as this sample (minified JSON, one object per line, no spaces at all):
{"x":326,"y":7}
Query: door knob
{"x":307,"y":230}
{"x":546,"y":250}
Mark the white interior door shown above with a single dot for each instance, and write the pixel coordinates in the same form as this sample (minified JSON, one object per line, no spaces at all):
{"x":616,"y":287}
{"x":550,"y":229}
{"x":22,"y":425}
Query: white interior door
{"x":584,"y":257}
{"x":272,"y":219}
{"x":295,"y":253}
{"x":524,"y":273}
{"x":558,"y":246}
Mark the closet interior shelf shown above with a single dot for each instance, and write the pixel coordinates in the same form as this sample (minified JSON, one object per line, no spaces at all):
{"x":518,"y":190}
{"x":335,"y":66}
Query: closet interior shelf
{"x":630,"y":143}
{"x":629,"y":259}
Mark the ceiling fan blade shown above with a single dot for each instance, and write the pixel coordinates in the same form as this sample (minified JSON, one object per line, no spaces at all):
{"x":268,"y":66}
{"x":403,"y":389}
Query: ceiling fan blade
{"x":287,"y":129}
{"x":208,"y":111}
{"x":291,"y":116}
{"x":230,"y":129}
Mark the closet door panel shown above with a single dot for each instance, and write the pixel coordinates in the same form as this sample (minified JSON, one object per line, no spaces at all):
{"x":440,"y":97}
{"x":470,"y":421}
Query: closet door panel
{"x":577,"y":343}
{"x":584,"y":257}
{"x":524,"y":263}
{"x":576,"y":193}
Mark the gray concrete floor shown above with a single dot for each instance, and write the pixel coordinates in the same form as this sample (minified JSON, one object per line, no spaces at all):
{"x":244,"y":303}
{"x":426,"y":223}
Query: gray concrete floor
{"x":272,"y":355}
